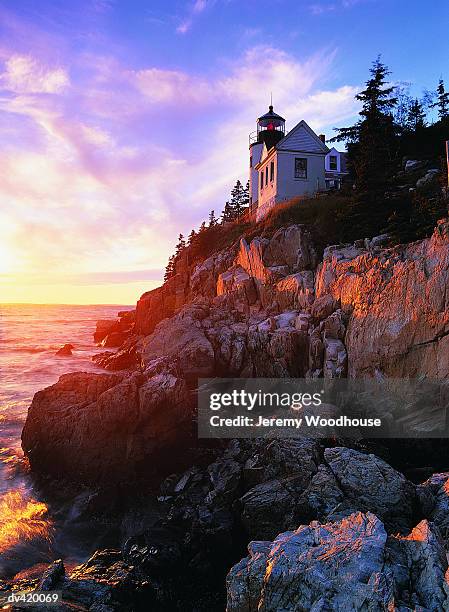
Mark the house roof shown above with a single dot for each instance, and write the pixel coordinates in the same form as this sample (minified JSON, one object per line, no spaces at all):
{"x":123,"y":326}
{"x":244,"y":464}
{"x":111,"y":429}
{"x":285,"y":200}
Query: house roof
{"x":302,"y":138}
{"x":335,"y":151}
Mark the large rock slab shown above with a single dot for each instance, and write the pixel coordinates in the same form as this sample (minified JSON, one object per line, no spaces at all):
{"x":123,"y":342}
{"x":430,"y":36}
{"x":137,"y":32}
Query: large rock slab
{"x":280,"y":352}
{"x":398,"y":304}
{"x":237,"y":283}
{"x":294,"y":291}
{"x":160,"y":303}
{"x":182,"y":337}
{"x":288,"y":251}
{"x":435,"y":495}
{"x":369,"y":483}
{"x":348,"y":564}
{"x":291,"y":246}
{"x":335,"y":566}
{"x":105,"y":428}
{"x":204,"y":276}
{"x":250,"y":258}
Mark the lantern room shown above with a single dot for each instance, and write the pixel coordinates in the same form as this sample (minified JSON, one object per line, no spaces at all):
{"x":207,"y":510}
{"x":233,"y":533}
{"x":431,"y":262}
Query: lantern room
{"x":270,"y":128}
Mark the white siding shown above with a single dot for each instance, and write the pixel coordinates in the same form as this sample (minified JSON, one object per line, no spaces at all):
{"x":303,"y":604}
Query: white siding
{"x":337,"y":154}
{"x":285,"y":186}
{"x":256,"y":152}
{"x":267,"y":192}
{"x":288,"y":186}
{"x":301,"y":142}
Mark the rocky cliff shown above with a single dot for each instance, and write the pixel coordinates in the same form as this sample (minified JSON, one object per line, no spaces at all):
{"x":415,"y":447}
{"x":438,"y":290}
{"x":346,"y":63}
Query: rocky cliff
{"x":353,"y":528}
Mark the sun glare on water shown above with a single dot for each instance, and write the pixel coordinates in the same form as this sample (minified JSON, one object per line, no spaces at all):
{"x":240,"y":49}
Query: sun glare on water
{"x":21,"y":520}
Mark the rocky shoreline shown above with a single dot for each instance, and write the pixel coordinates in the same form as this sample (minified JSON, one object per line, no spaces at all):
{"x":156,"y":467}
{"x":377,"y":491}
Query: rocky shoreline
{"x":329,"y":525}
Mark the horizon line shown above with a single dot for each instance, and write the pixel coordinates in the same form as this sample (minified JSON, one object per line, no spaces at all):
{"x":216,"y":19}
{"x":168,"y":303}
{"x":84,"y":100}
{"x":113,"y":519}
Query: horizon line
{"x":63,"y":304}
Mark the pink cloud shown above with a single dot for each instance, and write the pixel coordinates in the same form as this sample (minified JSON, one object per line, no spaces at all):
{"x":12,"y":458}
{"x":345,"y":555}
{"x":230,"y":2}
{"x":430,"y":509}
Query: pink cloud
{"x":24,"y":74}
{"x":184,"y":27}
{"x":198,"y":7}
{"x":98,"y":191}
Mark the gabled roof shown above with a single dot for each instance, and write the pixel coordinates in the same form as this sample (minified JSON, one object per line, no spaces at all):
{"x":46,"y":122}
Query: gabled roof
{"x":302,"y":138}
{"x":334,"y":151}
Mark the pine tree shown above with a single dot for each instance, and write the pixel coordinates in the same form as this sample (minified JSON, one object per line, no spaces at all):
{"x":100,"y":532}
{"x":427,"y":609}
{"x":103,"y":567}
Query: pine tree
{"x":245,"y":198}
{"x":180,"y":246}
{"x":239,"y":201}
{"x":246,"y":195}
{"x":227,"y":214}
{"x":372,"y":139}
{"x":236,"y":200}
{"x":191,"y":238}
{"x":212,"y":219}
{"x":442,"y":101}
{"x":404,"y":99}
{"x":170,"y":268}
{"x":416,"y":117}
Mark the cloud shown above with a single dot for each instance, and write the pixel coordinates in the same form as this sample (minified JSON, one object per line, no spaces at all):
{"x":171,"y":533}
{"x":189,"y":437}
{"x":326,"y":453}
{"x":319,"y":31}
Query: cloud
{"x":200,"y":5}
{"x":195,"y":9}
{"x":172,"y":86}
{"x":279,"y":73}
{"x":184,"y":26}
{"x":24,"y":74}
{"x":100,"y":177}
{"x":322,"y":9}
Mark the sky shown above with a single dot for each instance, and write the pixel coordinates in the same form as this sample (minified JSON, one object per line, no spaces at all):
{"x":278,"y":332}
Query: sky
{"x":124,"y":122}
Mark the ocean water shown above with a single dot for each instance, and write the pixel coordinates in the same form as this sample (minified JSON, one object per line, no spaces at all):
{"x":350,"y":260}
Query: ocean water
{"x":33,"y":528}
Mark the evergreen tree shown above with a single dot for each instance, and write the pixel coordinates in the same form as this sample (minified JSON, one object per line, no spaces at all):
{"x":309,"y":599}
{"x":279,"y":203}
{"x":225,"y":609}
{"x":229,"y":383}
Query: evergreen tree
{"x":246,"y":194}
{"x":192,"y":243}
{"x":427,"y":99}
{"x":372,"y":139}
{"x":170,"y":268}
{"x":404,"y":100}
{"x":442,"y":101}
{"x":212,"y":219}
{"x":201,"y":241}
{"x":416,"y":117}
{"x":191,"y":238}
{"x":227,"y":214}
{"x":180,"y":246}
{"x":236,"y":202}
{"x":239,"y":201}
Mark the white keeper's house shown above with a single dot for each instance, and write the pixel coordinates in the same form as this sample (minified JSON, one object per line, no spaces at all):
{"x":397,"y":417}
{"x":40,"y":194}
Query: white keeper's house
{"x":283,"y":166}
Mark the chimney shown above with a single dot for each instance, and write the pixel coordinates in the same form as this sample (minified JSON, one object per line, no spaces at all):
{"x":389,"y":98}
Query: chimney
{"x":323,"y":138}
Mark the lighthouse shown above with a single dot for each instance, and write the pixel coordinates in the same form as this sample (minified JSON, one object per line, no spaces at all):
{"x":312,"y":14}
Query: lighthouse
{"x":270,"y":130}
{"x":286,"y":166}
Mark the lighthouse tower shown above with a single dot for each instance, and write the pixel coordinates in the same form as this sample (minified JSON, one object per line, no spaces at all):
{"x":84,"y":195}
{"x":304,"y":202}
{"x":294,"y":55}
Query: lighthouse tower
{"x":270,"y":130}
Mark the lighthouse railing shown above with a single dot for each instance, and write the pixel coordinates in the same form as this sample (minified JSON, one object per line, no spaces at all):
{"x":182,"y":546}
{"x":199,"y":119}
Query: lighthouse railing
{"x":253,"y":137}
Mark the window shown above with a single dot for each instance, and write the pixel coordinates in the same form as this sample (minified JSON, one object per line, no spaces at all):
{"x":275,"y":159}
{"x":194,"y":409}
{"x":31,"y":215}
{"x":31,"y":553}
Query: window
{"x":266,"y":175}
{"x":272,"y":172}
{"x":332,"y":162}
{"x":251,"y":161}
{"x":300,"y":167}
{"x":261,"y":180}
